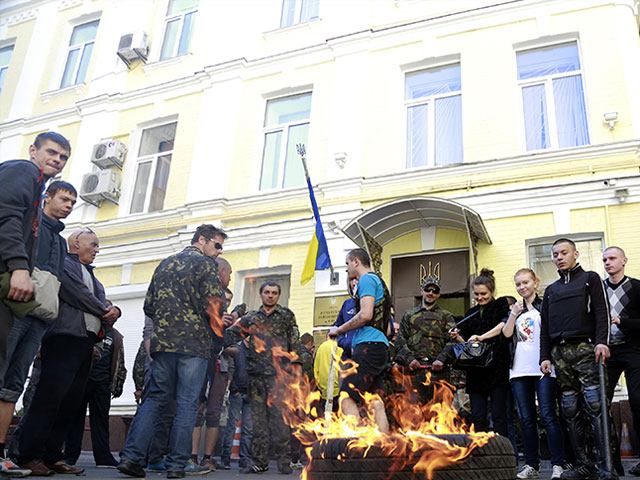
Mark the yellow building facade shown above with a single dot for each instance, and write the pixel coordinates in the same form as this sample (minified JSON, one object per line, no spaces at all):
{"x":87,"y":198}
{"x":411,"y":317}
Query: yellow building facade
{"x":455,"y":135}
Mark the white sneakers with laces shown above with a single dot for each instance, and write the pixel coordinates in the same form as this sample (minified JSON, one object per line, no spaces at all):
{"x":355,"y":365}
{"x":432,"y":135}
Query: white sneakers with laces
{"x":528,"y":472}
{"x":557,"y":472}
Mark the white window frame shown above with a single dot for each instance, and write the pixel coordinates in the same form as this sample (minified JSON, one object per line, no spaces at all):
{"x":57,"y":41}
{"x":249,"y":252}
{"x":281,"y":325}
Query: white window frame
{"x":297,"y":20}
{"x":12,"y":46}
{"x":264,"y":274}
{"x":82,"y":47}
{"x":547,"y":81}
{"x":284,"y":127}
{"x":180,"y":17}
{"x":154,"y":165}
{"x":431,"y":115}
{"x":576,"y":237}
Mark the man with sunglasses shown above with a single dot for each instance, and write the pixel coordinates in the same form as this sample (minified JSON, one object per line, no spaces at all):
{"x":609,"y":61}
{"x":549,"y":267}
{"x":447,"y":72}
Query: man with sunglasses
{"x":185,"y":301}
{"x":422,"y":337}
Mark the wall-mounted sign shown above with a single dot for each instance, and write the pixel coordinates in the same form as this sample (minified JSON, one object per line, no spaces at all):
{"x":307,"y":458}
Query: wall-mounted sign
{"x":326,"y":309}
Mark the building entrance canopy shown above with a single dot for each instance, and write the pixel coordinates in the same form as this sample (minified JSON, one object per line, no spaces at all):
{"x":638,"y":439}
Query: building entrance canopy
{"x":378,"y":226}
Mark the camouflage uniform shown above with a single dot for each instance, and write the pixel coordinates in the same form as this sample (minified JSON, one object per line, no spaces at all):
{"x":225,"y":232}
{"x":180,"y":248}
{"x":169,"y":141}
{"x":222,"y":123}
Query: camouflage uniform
{"x":279,"y":328}
{"x":306,"y":358}
{"x":181,"y":282}
{"x":139,"y":368}
{"x":423,"y":335}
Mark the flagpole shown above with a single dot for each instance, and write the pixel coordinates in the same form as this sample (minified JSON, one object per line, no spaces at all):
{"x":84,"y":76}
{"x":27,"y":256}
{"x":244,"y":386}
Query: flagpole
{"x":302,"y":151}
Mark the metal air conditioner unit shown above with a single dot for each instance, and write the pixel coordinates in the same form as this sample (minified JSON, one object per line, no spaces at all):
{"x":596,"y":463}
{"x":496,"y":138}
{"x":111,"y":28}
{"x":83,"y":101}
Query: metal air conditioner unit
{"x":109,"y":153}
{"x":99,"y":186}
{"x":133,"y":47}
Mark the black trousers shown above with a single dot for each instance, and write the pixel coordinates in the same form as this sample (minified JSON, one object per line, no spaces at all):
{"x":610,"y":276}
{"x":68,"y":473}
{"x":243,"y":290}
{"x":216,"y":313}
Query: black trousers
{"x":6,"y":322}
{"x":626,"y":358}
{"x":66,"y":362}
{"x":97,"y":396}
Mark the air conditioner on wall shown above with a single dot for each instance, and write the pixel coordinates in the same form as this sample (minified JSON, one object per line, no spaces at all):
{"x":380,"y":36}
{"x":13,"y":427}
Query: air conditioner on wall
{"x":109,"y":153}
{"x":99,"y":186}
{"x":133,"y":47}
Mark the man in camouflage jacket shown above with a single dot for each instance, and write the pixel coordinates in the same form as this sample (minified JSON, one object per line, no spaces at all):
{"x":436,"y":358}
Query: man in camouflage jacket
{"x":272,"y":325}
{"x":422,"y":337}
{"x":185,"y":301}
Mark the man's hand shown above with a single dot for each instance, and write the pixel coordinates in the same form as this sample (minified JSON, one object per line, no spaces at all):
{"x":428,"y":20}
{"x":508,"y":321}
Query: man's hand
{"x":602,"y":352}
{"x":21,"y":287}
{"x":333,"y":332}
{"x":228,"y":319}
{"x":615,"y":320}
{"x":545,"y":367}
{"x":109,"y":318}
{"x":437,"y":366}
{"x":414,"y":364}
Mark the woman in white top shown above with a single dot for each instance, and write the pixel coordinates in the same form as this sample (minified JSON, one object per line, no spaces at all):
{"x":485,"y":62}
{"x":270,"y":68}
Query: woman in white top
{"x":523,"y":326}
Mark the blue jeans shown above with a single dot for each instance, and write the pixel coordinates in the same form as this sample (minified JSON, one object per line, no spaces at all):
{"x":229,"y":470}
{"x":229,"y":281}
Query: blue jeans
{"x":525,"y":391}
{"x":23,"y":343}
{"x":239,"y":408}
{"x":173,"y":375}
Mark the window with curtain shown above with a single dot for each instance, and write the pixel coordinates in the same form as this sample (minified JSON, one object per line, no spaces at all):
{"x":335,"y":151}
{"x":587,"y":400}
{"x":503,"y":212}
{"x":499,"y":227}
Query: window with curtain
{"x":179,"y":24}
{"x":79,"y":54}
{"x":5,"y":59}
{"x":286,"y":124}
{"x":433,"y":99}
{"x":540,"y":257}
{"x":252,"y":283}
{"x":298,"y":11}
{"x":553,"y":97}
{"x":152,"y":168}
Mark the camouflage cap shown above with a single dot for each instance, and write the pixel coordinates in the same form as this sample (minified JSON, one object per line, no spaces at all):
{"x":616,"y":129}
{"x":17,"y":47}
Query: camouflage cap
{"x":430,"y":280}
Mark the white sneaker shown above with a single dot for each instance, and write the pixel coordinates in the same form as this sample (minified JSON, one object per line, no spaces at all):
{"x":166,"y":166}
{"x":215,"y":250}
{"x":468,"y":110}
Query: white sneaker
{"x":528,"y":472}
{"x":557,"y":472}
{"x":10,"y":469}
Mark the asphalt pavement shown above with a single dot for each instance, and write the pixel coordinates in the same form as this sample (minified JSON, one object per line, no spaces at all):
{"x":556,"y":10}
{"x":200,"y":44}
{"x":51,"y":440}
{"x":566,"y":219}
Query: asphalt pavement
{"x":91,"y":471}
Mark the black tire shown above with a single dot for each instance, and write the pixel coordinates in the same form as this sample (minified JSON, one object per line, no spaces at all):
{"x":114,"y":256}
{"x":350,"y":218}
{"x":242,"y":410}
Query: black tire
{"x":332,"y":459}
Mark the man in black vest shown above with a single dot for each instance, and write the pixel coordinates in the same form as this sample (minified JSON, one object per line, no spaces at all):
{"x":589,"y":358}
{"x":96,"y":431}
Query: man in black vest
{"x":574,"y":337}
{"x":624,"y":305}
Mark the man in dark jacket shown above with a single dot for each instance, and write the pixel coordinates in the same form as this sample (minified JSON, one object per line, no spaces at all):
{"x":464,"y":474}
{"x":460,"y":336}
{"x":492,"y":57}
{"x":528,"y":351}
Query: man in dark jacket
{"x":26,"y":333}
{"x":66,"y":353}
{"x":574,"y":336}
{"x":624,"y":305}
{"x":106,"y":380}
{"x":22,"y":185}
{"x":185,"y":301}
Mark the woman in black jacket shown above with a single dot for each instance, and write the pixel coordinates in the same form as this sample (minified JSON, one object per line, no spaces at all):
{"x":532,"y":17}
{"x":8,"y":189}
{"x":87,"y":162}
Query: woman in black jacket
{"x":487,"y":387}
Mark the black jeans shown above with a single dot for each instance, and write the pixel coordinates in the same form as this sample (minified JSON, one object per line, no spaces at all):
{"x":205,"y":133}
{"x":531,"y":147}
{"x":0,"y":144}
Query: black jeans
{"x":66,"y":362}
{"x":498,"y":400}
{"x":97,"y":396}
{"x":6,"y":322}
{"x":626,"y":358}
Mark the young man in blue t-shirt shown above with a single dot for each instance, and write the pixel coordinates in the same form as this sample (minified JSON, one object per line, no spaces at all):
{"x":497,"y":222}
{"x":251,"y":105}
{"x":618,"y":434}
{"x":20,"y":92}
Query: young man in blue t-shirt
{"x":370,"y":346}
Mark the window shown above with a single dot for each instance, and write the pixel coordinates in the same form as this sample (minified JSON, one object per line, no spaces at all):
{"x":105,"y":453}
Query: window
{"x":286,"y":124}
{"x":251,"y":291}
{"x":552,"y":97}
{"x":179,"y":24}
{"x":590,"y":247}
{"x":434,"y":116}
{"x":79,"y":56}
{"x":152,"y":168}
{"x":5,"y":59}
{"x":298,"y":11}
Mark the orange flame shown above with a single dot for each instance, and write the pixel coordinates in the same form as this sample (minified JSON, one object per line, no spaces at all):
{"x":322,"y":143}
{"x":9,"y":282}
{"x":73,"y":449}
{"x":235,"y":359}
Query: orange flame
{"x":259,"y":344}
{"x":416,"y":425}
{"x":214,"y":309}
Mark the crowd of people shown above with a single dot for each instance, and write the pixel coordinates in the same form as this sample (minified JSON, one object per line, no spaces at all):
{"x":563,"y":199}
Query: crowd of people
{"x":201,"y":360}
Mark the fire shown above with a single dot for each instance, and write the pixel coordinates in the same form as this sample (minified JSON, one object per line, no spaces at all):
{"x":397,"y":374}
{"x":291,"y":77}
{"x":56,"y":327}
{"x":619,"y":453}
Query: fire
{"x":415,"y":426}
{"x":214,"y":309}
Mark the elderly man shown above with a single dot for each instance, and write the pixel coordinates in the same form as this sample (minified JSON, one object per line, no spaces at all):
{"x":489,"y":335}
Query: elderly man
{"x":66,"y":354}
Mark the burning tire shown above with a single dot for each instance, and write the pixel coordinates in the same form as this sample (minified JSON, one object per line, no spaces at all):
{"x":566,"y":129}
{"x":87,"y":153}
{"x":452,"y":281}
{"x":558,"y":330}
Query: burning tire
{"x":333,"y":460}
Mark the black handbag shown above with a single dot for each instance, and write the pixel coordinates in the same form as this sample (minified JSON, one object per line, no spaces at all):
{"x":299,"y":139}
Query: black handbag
{"x":472,"y":355}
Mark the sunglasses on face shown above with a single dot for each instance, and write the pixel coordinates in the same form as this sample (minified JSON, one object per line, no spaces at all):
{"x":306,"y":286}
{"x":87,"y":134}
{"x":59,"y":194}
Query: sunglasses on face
{"x":217,"y":245}
{"x":431,"y":290}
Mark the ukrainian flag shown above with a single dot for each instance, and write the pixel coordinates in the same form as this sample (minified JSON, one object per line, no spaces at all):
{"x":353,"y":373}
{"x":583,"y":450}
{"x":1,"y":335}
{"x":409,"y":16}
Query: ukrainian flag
{"x":318,"y":253}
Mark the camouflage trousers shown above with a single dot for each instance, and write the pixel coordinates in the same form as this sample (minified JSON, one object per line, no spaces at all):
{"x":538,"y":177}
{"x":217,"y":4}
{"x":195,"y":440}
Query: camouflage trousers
{"x":575,"y":366}
{"x":270,"y":434}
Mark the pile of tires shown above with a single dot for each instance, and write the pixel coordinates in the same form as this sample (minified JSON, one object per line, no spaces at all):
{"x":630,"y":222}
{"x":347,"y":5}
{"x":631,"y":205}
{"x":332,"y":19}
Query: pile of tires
{"x":332,"y":459}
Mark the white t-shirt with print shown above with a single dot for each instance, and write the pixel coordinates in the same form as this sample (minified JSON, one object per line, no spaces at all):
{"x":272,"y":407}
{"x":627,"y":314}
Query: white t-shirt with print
{"x":526,"y":362}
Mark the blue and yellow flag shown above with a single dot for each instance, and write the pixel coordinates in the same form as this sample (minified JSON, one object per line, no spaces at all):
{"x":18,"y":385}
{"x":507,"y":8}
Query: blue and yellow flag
{"x":318,"y":253}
